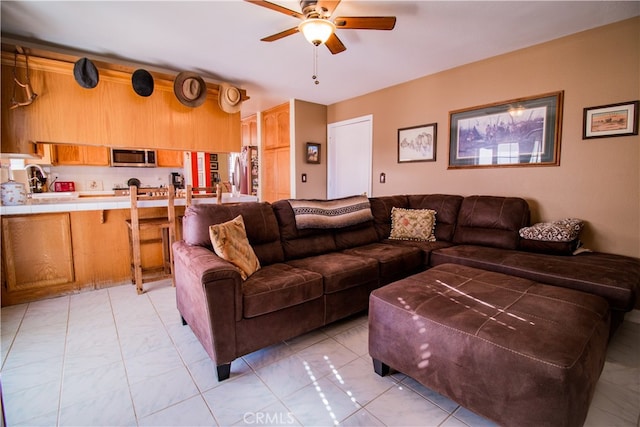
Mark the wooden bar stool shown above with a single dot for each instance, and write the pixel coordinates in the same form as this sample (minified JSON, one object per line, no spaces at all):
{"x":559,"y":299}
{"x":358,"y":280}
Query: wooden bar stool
{"x":166,"y":225}
{"x":202,"y":192}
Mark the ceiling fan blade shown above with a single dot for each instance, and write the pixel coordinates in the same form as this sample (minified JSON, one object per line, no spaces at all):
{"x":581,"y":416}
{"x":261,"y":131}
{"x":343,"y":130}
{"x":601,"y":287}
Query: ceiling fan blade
{"x":277,"y":8}
{"x":329,"y":6}
{"x":280,"y":35}
{"x":335,"y":45}
{"x":365,"y":22}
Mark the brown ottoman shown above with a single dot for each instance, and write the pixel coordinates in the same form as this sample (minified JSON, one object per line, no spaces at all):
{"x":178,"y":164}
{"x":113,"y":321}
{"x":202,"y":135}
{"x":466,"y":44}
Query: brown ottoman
{"x":517,"y":352}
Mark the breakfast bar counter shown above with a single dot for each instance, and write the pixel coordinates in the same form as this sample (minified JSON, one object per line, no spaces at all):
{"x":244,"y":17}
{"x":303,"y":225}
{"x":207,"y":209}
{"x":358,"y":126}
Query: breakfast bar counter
{"x":92,"y":201}
{"x":58,"y":244}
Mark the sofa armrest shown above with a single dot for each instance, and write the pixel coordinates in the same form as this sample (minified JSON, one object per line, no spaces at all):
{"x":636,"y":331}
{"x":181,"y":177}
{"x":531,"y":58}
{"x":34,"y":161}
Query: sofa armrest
{"x":209,"y":298}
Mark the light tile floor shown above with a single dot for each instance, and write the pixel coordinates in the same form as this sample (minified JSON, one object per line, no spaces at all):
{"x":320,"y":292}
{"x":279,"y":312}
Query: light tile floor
{"x":111,"y":357}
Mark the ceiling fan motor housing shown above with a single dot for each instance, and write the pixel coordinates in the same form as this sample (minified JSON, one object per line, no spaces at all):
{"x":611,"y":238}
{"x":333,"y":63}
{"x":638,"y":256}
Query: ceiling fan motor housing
{"x":309,"y":9}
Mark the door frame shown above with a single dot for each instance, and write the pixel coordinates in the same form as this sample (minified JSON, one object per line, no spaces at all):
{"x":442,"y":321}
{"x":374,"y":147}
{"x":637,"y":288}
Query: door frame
{"x":369,"y":159}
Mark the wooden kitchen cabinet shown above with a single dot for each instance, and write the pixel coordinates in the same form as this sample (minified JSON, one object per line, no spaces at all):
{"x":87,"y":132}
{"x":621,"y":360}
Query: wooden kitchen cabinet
{"x":170,"y":158}
{"x":249,"y":126}
{"x":275,"y":154}
{"x":47,"y":255}
{"x":37,"y":257}
{"x":43,"y":151}
{"x":79,"y":155}
{"x":275,"y":127}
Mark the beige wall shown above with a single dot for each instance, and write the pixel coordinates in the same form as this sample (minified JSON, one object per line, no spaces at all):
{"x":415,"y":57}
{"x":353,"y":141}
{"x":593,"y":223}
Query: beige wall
{"x":309,"y":125}
{"x":598,"y":180}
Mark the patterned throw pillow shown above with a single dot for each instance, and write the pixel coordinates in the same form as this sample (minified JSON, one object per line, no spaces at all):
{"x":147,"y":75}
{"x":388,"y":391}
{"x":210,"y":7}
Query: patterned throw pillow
{"x":230,"y":242}
{"x":413,"y":224}
{"x":565,"y":230}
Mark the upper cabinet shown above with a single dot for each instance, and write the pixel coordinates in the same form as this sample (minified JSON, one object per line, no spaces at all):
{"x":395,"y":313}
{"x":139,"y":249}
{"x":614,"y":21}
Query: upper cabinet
{"x":250,"y":131}
{"x":111,"y":114}
{"x":170,"y":158}
{"x":275,"y":127}
{"x":85,"y":155}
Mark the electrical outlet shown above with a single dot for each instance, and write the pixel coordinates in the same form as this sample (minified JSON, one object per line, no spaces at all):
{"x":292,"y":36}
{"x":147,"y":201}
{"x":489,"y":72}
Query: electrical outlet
{"x":94,"y":185}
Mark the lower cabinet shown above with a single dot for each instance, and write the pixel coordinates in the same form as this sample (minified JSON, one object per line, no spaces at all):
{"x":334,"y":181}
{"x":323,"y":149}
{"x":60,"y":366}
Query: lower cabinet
{"x":51,"y":254}
{"x":37,"y":255}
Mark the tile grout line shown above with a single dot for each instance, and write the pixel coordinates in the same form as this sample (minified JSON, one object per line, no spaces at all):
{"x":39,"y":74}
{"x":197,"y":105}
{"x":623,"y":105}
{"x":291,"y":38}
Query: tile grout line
{"x":124,"y":365}
{"x":184,"y":363}
{"x":15,"y":335}
{"x":64,"y":362}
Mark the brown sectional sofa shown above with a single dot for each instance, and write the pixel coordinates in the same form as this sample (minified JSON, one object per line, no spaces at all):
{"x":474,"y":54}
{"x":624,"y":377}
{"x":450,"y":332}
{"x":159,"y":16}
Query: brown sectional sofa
{"x":312,"y":277}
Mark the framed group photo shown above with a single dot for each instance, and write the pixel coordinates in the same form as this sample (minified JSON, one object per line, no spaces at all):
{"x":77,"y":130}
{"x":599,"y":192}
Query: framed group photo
{"x":518,"y":132}
{"x":417,"y":143}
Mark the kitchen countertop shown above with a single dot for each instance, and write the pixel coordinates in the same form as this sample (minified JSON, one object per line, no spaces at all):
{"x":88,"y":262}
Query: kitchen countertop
{"x":104,"y":200}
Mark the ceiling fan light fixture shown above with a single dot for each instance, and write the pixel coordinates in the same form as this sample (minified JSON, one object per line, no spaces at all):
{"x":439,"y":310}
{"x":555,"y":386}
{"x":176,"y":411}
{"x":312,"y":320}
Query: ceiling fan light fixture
{"x":316,"y":30}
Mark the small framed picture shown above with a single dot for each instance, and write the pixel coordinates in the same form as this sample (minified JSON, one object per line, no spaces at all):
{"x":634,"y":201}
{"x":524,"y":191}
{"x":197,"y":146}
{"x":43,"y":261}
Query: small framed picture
{"x":215,"y":177}
{"x":610,"y":120}
{"x":313,"y":153}
{"x":213,"y":157}
{"x":214,"y":166}
{"x":417,"y":143}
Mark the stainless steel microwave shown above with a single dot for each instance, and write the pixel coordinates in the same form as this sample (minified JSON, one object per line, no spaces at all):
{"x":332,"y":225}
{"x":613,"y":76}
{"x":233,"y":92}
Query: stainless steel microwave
{"x":133,"y":158}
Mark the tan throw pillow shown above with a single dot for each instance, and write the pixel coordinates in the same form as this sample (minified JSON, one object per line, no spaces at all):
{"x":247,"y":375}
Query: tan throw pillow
{"x":413,"y":224}
{"x":230,"y":242}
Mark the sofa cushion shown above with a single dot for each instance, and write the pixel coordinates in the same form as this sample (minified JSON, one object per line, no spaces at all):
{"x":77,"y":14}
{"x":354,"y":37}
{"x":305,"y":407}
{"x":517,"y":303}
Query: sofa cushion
{"x":300,"y":243}
{"x":425,"y":247}
{"x":491,"y":221}
{"x":279,"y":286}
{"x":340,"y":271}
{"x":413,"y":224}
{"x":381,"y":210}
{"x":356,"y":235}
{"x":447,"y":207}
{"x":394,"y":261}
{"x":614,"y":277}
{"x":553,"y":248}
{"x":334,"y":213}
{"x":230,"y":242}
{"x":260,"y":224}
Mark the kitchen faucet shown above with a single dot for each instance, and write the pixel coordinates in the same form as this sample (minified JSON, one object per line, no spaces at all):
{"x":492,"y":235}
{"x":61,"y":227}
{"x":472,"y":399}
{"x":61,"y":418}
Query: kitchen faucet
{"x":35,"y":182}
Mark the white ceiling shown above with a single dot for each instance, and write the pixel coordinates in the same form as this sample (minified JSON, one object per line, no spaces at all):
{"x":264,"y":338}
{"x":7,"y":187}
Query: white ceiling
{"x":221,"y":39}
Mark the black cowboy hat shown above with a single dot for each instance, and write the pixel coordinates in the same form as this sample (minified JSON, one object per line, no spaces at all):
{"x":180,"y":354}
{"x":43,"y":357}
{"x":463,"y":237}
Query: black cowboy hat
{"x":85,"y":73}
{"x":142,"y":82}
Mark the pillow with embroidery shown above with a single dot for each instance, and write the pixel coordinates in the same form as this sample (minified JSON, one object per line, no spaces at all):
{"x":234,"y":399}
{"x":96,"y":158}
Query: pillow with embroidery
{"x":230,"y":242}
{"x":565,"y":230}
{"x":413,"y":224}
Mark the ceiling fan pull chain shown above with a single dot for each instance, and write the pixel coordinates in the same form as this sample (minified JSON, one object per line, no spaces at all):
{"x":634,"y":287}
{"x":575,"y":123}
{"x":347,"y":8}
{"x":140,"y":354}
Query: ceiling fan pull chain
{"x":315,"y":65}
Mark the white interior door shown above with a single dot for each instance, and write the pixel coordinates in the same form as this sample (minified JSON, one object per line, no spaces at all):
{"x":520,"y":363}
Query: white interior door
{"x":349,"y":157}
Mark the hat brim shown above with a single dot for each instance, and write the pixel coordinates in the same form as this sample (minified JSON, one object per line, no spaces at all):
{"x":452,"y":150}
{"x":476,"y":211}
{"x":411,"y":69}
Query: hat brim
{"x":177,"y":89}
{"x":223,"y":101}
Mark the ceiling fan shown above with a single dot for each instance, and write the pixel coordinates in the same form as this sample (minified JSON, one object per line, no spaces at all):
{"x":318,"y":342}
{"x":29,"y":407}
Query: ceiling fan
{"x":317,"y":26}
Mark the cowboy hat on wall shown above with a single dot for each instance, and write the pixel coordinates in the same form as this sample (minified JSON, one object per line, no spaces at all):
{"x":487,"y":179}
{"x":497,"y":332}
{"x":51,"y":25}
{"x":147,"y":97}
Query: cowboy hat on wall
{"x":190,"y":89}
{"x":229,"y":98}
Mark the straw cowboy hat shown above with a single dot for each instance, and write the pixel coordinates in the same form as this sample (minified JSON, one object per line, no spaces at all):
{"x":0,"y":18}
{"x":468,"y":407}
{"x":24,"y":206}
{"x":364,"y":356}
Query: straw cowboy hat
{"x":85,"y":73}
{"x":142,"y":82}
{"x":190,"y":89}
{"x":229,"y":98}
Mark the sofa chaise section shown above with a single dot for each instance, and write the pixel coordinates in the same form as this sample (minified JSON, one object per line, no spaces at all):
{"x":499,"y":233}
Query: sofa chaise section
{"x":487,"y":237}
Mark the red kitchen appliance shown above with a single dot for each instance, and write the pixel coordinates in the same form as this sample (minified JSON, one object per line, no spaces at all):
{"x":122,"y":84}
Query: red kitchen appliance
{"x":64,"y":186}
